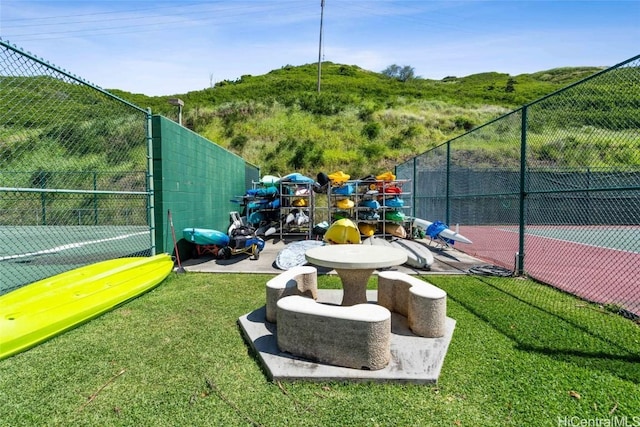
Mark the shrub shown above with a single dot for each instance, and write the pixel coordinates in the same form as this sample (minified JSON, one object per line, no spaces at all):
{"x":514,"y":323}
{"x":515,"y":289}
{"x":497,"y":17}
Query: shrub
{"x":366,"y":111}
{"x":411,"y":131}
{"x":297,"y":161}
{"x":323,"y":104}
{"x":396,"y":142}
{"x":373,"y":151}
{"x":238,"y":142}
{"x":371,"y":130}
{"x":464,"y":123}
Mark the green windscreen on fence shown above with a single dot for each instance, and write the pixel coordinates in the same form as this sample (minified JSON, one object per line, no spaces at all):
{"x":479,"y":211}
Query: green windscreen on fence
{"x":194,"y":179}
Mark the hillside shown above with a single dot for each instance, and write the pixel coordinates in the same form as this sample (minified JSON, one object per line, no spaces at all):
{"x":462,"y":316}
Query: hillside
{"x":350,"y":84}
{"x":359,"y":122}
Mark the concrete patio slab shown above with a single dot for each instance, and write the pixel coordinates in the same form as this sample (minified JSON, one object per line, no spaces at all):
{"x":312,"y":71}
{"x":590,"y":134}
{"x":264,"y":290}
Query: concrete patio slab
{"x":414,"y":359}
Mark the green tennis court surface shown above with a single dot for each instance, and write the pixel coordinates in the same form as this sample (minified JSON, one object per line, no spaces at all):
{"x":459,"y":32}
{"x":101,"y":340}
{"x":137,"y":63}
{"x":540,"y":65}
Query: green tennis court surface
{"x":30,"y":253}
{"x":622,"y":238}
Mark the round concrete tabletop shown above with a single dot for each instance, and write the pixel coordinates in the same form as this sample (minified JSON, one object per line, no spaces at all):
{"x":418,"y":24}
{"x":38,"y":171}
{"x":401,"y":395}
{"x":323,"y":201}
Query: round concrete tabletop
{"x":355,"y":257}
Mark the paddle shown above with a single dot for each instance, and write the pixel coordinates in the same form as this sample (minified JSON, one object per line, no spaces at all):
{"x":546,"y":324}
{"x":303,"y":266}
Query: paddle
{"x":175,"y":243}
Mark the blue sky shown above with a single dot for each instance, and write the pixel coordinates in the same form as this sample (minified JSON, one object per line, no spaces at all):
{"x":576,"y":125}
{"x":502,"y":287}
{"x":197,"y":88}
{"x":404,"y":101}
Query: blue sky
{"x":173,"y":47}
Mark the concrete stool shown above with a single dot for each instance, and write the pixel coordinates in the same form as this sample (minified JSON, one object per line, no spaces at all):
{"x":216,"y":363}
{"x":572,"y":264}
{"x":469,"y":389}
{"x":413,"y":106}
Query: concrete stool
{"x":423,"y":304}
{"x":301,"y":280}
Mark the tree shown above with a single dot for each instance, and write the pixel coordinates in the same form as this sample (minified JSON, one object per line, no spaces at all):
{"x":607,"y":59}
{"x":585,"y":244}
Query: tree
{"x":509,"y":87}
{"x":403,"y":74}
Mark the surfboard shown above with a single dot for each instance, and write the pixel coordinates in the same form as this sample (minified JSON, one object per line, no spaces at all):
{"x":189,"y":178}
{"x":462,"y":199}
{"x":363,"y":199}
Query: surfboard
{"x":292,"y":255}
{"x":204,"y":236}
{"x":418,"y":255}
{"x":377,"y":241}
{"x":446,"y":233}
{"x":37,"y":312}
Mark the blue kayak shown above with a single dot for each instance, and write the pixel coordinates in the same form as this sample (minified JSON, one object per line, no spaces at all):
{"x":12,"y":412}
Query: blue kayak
{"x":203,"y":236}
{"x":297,"y":177}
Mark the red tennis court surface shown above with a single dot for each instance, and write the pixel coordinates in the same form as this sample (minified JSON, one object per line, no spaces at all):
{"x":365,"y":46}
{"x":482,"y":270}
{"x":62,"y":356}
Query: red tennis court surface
{"x":599,"y":274}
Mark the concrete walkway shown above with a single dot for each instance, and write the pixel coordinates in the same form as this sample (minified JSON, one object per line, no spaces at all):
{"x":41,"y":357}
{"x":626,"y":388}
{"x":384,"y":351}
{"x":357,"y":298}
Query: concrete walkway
{"x":447,"y":261}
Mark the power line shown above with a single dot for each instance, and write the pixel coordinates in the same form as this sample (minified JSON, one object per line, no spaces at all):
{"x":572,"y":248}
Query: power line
{"x":199,"y":18}
{"x":422,"y":18}
{"x":155,"y":8}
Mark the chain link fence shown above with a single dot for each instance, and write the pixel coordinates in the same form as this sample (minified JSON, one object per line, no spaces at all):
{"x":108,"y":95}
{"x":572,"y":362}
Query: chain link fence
{"x":551,"y":190}
{"x":75,"y":186}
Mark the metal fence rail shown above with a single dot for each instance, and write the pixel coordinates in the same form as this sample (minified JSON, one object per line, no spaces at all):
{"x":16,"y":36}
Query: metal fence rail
{"x":551,"y":190}
{"x":75,"y":181}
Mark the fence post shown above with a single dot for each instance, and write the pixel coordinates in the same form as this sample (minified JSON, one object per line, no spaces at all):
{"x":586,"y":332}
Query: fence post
{"x":95,"y":198}
{"x":414,"y":186}
{"x":151,"y":196}
{"x":43,"y":197}
{"x":447,"y":197}
{"x":519,"y":270}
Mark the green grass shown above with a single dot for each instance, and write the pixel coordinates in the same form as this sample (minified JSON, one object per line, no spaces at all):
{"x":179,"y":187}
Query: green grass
{"x":522,"y":354}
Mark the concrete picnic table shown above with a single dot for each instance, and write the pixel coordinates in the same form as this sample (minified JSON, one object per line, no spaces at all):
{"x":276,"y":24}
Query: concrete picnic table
{"x":355,"y":265}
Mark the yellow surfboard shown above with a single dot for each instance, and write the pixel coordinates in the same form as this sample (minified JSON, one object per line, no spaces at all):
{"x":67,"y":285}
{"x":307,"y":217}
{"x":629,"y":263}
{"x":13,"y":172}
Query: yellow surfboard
{"x":41,"y":310}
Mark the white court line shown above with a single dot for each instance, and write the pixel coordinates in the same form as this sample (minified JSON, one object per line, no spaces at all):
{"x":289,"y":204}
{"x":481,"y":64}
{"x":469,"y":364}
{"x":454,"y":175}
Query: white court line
{"x":71,"y":246}
{"x":557,"y":239}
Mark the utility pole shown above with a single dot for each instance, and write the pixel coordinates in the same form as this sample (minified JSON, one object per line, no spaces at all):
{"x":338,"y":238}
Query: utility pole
{"x":320,"y":46}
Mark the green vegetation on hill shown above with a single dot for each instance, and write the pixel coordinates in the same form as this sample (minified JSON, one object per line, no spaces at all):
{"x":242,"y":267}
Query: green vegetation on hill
{"x":361,"y":121}
{"x":343,"y":85}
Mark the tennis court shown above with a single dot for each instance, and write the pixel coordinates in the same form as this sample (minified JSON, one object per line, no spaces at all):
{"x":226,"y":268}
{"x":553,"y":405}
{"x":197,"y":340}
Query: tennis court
{"x":598,"y":263}
{"x":30,"y":253}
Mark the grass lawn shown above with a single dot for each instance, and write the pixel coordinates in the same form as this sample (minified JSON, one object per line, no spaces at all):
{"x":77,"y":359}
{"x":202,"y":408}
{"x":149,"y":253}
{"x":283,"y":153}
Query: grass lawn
{"x":522,"y":354}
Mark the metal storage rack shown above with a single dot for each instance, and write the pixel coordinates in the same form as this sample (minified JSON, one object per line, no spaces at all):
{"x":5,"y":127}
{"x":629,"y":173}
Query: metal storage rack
{"x":296,"y":209}
{"x":374,"y":202}
{"x":260,"y":204}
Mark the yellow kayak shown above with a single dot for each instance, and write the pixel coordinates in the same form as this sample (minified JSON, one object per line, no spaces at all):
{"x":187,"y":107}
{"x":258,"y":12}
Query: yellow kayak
{"x":367,"y":229}
{"x":343,"y":231}
{"x":39,"y":311}
{"x":339,"y":178}
{"x":387,"y":176}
